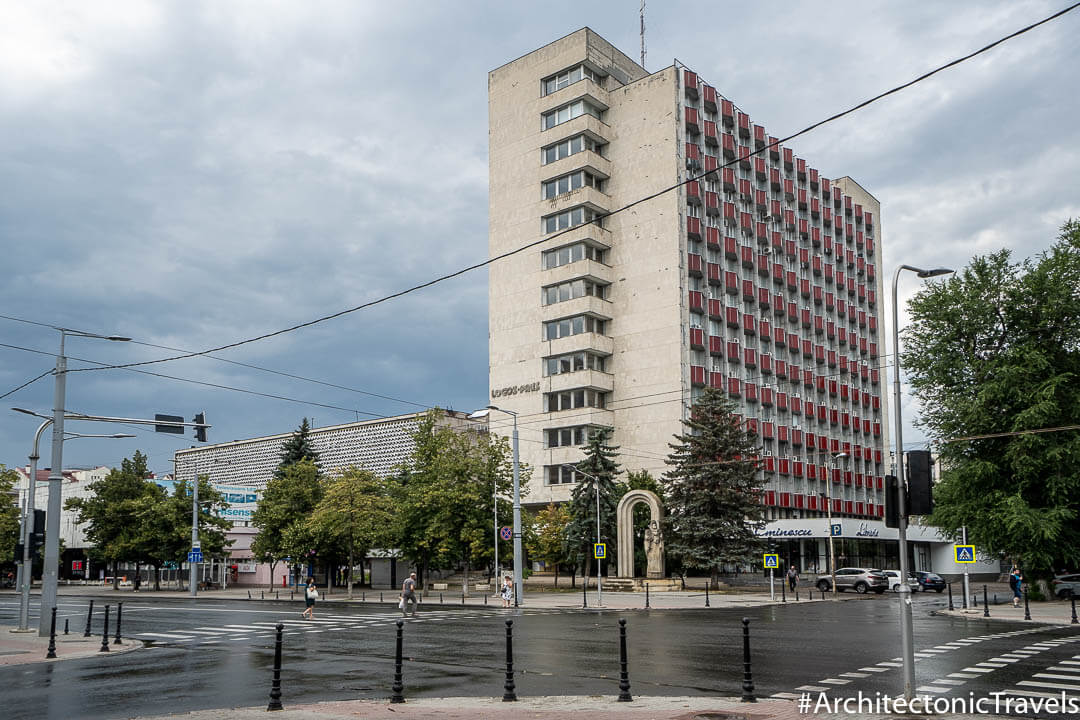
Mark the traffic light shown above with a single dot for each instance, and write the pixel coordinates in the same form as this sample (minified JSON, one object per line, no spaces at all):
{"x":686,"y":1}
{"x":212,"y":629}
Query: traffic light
{"x":920,"y":495}
{"x":892,"y":501}
{"x":200,"y":426}
{"x":37,"y":533}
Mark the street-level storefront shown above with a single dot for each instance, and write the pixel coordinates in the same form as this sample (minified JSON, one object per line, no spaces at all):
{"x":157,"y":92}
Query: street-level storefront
{"x":804,"y":543}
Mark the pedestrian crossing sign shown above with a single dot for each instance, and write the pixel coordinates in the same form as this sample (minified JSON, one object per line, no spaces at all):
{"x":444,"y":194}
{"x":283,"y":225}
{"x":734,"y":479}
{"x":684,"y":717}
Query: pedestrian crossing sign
{"x":599,"y":550}
{"x":772,"y":561}
{"x":964,"y":553}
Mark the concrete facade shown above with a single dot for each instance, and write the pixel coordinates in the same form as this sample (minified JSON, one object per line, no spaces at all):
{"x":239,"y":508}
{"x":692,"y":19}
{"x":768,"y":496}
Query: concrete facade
{"x":757,"y":275}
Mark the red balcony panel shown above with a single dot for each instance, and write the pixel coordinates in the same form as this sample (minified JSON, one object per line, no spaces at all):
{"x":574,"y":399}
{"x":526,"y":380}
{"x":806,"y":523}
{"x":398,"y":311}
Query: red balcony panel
{"x":800,"y":501}
{"x":826,"y":217}
{"x":697,"y":375}
{"x":749,"y":322}
{"x":774,"y":179}
{"x":760,"y":170}
{"x":822,"y":445}
{"x":712,"y":237}
{"x":834,"y":417}
{"x":877,"y":429}
{"x":731,"y":282}
{"x":714,"y":273}
{"x":843,"y":364}
{"x":783,"y":433}
{"x":804,"y":288}
{"x":839,"y":279}
{"x":800,"y":168}
{"x":871,"y":298}
{"x":761,"y":202}
{"x":759,"y":136}
{"x":785,"y":499}
{"x":697,"y":301}
{"x":716,"y":380}
{"x":778,"y":272}
{"x":712,"y":203}
{"x":708,"y":97}
{"x":873,"y":350}
{"x":877,"y":457}
{"x":750,"y":357}
{"x":692,"y":152}
{"x":849,"y":506}
{"x":697,"y":338}
{"x":843,"y":390}
{"x":838,"y":506}
{"x":801,"y":195}
{"x":797,"y":468}
{"x":828,"y":273}
{"x":690,"y":81}
{"x":693,"y":122}
{"x":746,"y":256}
{"x":833,"y":387}
{"x":796,"y":437}
{"x":768,"y":497}
{"x":812,"y":502}
{"x":784,"y":466}
{"x":816,"y":264}
{"x":746,"y":222}
{"x":782,"y":400}
{"x":830,"y":358}
{"x":866,"y":426}
{"x":693,"y":228}
{"x":789,"y":248}
{"x":792,"y":280}
{"x":822,"y":414}
{"x":731,"y":245}
{"x":808,"y":378}
{"x":845,"y":419}
{"x":744,"y":124}
{"x":848,"y":205}
{"x":727,"y":179}
{"x":875,"y":402}
{"x":862,"y":318}
{"x":734,"y":387}
{"x":789,"y":217}
{"x":849,"y":257}
{"x":793,"y":344}
{"x":781,"y":368}
{"x":804,"y":316}
{"x":727,"y":145}
{"x":711,"y":137}
{"x":778,"y":304}
{"x":807,"y":348}
{"x":788,"y":158}
{"x":746,"y":190}
{"x":731,"y":315}
{"x":819,"y":383}
{"x":716,"y":346}
{"x":862,"y":293}
{"x":870,"y":272}
{"x":789,"y":189}
{"x":750,"y":391}
{"x":863,"y":346}
{"x":763,"y":297}
{"x":825,"y":186}
{"x":779,"y":338}
{"x":716,"y":308}
{"x":869,"y":245}
{"x":694,"y":264}
{"x":727,"y":111}
{"x":819,"y":353}
{"x":767,"y":395}
{"x":734,"y":352}
{"x":777,"y":242}
{"x":810,"y":409}
{"x":859,"y":241}
{"x":765,"y":330}
{"x":796,"y":404}
{"x":841,"y":335}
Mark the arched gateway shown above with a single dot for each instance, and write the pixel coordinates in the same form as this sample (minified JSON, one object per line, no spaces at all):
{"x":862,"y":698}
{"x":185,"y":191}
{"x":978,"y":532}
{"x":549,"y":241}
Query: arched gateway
{"x":654,"y":538}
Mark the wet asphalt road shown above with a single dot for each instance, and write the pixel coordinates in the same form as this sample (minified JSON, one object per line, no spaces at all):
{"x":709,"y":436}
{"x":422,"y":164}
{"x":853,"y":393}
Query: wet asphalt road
{"x":220,"y":654}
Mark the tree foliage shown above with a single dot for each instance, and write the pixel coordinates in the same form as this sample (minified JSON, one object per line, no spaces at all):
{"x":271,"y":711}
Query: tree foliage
{"x":296,"y":449}
{"x":9,"y":514}
{"x":548,"y":538}
{"x":713,"y":489}
{"x":996,"y":349}
{"x":281,"y":516}
{"x":599,"y":468}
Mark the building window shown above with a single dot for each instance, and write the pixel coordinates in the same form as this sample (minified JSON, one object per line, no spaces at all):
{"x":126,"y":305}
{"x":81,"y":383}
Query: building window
{"x":559,"y":475}
{"x":569,"y":77}
{"x":571,"y":218}
{"x":569,"y":436}
{"x":570,"y":111}
{"x":572,"y":290}
{"x":575,"y":325}
{"x":574,"y":399}
{"x":573,"y":362}
{"x":570,"y":146}
{"x":573,"y":181}
{"x":571,"y":254}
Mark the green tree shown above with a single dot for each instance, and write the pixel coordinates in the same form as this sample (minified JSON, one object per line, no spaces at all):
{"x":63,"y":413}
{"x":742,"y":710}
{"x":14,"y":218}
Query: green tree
{"x":281,"y":515}
{"x":713,"y":489}
{"x":296,"y":449}
{"x":110,"y":511}
{"x":995,"y":350}
{"x":598,"y":469}
{"x":548,"y":539}
{"x":355,"y":514}
{"x":9,"y":514}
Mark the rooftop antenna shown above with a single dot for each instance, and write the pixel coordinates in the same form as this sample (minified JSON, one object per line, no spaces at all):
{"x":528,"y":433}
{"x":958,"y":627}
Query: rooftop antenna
{"x":642,"y":33}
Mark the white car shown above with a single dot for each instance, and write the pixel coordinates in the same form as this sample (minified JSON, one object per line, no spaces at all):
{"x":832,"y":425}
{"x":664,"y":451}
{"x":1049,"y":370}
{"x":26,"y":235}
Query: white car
{"x":894,"y":580}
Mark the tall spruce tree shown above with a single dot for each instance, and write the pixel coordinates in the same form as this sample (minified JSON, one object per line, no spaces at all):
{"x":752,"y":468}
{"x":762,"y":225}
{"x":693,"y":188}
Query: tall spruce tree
{"x":296,"y":448}
{"x":581,"y":531}
{"x":713,"y":489}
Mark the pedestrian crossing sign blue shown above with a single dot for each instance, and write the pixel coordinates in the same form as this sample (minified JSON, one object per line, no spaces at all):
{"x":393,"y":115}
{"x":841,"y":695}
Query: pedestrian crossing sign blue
{"x":772,"y":561}
{"x":599,"y":550}
{"x":964,"y":553}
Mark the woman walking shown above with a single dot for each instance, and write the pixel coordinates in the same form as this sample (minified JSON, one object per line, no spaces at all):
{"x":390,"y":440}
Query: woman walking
{"x":311,"y":594}
{"x":507,"y":591}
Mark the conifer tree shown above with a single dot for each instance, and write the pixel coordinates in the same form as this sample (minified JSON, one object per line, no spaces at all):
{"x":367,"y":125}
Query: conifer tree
{"x":713,"y":489}
{"x":581,"y":531}
{"x":297,"y":448}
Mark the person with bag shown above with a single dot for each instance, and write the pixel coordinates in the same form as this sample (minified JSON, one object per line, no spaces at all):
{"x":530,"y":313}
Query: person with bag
{"x":507,"y":591}
{"x":408,"y":595}
{"x":1016,"y":581}
{"x":311,"y":594}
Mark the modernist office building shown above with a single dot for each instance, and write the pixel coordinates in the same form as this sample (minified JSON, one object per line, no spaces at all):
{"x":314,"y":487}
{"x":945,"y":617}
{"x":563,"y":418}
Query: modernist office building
{"x":760,"y":277}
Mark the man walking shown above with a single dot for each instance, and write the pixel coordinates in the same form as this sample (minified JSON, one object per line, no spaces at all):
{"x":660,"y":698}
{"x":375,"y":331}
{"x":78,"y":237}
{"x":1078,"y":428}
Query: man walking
{"x":792,"y":577}
{"x":408,"y":594}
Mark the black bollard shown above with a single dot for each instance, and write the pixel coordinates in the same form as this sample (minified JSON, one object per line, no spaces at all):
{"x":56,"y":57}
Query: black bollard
{"x":119,"y":614}
{"x":975,"y":600}
{"x":249,"y":594}
{"x":783,"y":591}
{"x":89,"y":614}
{"x":706,"y":593}
{"x":485,"y":598}
{"x":462,"y":598}
{"x":796,"y":593}
{"x":508,"y":687}
{"x":52,"y":636}
{"x":986,"y":605}
{"x":624,"y":677}
{"x":748,"y":678}
{"x":105,"y":633}
{"x":262,"y":594}
{"x":275,"y":684}
{"x":65,"y":626}
{"x":1027,"y":608}
{"x":277,"y":596}
{"x":363,"y":596}
{"x":949,"y":585}
{"x":646,"y":596}
{"x":440,"y":599}
{"x":584,"y":594}
{"x":1072,"y":599}
{"x":397,"y":697}
{"x":380,"y":597}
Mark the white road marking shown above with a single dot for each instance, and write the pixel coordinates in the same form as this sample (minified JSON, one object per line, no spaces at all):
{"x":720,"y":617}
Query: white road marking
{"x":933,"y":689}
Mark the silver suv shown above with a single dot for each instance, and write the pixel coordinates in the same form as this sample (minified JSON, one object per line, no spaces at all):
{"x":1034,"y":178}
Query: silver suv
{"x":860,"y":580}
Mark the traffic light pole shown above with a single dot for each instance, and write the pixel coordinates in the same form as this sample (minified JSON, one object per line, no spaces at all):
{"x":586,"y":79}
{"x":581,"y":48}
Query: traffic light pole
{"x":27,"y":528}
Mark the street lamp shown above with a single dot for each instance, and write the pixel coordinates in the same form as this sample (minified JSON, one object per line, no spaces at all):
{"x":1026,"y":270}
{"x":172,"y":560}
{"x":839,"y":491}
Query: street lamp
{"x":56,"y":477}
{"x":25,"y":569}
{"x":519,"y":589}
{"x":828,"y":510}
{"x":907,"y":642}
{"x":596,"y":485}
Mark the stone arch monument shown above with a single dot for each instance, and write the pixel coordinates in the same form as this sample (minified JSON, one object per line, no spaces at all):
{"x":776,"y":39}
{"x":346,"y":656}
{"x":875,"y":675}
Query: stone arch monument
{"x":654,"y":537}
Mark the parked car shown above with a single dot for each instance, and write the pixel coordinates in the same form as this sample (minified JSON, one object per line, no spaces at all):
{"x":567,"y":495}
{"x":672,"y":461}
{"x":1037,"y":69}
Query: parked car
{"x":930,"y":581}
{"x":894,"y":580}
{"x":860,"y":580}
{"x":1066,"y":586}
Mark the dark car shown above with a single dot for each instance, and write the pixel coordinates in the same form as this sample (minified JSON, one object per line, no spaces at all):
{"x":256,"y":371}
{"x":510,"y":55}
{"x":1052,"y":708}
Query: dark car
{"x":930,"y":581}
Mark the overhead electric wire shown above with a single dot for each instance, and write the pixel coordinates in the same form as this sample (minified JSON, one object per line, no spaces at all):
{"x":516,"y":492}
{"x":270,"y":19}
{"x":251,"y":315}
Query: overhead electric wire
{"x":647,"y":198}
{"x":28,"y":382}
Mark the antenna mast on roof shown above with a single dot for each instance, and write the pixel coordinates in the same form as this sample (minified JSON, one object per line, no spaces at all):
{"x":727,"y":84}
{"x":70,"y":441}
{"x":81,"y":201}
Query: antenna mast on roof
{"x":642,"y":33}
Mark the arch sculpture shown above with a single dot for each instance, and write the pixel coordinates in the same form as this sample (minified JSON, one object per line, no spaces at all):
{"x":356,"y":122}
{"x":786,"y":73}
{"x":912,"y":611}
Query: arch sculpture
{"x":654,"y":537}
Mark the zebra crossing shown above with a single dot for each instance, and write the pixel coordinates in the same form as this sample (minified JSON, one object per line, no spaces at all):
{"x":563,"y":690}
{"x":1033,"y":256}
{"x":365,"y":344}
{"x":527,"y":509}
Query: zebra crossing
{"x":231,"y":633}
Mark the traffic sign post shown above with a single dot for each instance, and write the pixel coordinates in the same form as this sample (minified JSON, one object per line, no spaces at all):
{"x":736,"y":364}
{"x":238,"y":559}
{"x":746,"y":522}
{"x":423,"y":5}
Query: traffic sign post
{"x":772,"y":562}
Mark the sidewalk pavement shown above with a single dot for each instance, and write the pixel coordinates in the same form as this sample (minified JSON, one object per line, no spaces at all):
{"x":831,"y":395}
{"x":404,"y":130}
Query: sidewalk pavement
{"x":21,"y":648}
{"x":1053,"y":612}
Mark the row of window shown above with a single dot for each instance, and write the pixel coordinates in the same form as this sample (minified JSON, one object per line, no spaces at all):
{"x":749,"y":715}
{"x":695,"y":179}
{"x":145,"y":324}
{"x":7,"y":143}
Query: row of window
{"x":573,"y":181}
{"x":572,"y":290}
{"x":573,"y":362}
{"x":574,"y":399}
{"x":575,"y":325}
{"x":568,"y":436}
{"x":571,"y":218}
{"x":570,"y":146}
{"x":571,"y":254}
{"x":568,"y":112}
{"x":569,"y":77}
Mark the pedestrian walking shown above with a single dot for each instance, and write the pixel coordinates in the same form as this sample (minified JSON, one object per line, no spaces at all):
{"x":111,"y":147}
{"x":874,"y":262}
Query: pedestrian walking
{"x":138,"y":581}
{"x":1015,"y":582}
{"x":792,"y":577}
{"x":408,"y":595}
{"x":507,"y":591}
{"x":311,"y":594}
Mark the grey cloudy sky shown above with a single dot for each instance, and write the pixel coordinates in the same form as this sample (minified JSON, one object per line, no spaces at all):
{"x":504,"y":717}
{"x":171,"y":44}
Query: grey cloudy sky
{"x":195,"y":173}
